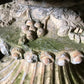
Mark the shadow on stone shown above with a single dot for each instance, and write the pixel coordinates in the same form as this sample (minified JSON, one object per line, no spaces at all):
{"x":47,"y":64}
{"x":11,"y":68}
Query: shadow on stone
{"x":5,"y":1}
{"x":1,"y":55}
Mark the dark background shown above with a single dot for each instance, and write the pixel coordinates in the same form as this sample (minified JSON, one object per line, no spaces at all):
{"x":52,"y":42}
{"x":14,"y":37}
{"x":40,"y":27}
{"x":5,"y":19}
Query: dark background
{"x":46,"y":1}
{"x":5,"y":1}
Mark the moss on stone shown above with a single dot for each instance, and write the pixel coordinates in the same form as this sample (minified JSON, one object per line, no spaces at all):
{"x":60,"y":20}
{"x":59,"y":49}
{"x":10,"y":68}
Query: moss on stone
{"x":58,"y":44}
{"x":15,"y":71}
{"x":11,"y":35}
{"x":18,"y":79}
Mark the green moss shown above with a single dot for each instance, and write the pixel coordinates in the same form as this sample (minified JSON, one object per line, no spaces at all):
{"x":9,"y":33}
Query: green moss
{"x":10,"y":34}
{"x":15,"y":71}
{"x":28,"y":78}
{"x":45,"y":44}
{"x":50,"y":44}
{"x":18,"y":79}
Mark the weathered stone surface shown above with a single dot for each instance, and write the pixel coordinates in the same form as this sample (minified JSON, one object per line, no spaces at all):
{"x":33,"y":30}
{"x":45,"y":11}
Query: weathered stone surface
{"x":4,"y":48}
{"x":76,"y":30}
{"x":71,"y":36}
{"x":23,"y":72}
{"x":49,"y":3}
{"x":80,"y":31}
{"x":40,"y":13}
{"x":82,"y":39}
{"x":63,"y":31}
{"x":77,"y":38}
{"x":58,"y":22}
{"x":18,"y":11}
